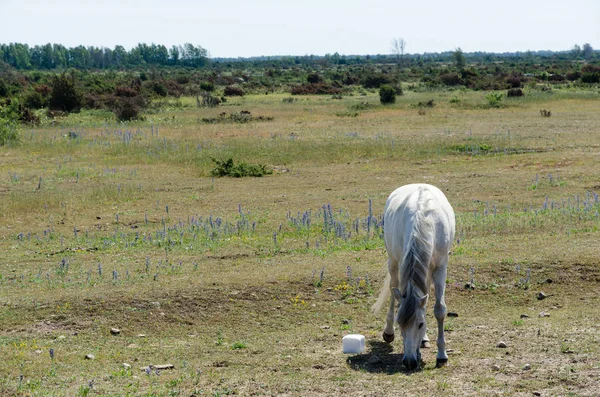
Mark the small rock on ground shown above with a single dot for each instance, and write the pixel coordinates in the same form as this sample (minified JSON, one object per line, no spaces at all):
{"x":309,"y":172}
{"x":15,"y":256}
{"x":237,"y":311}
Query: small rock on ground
{"x":115,"y":331}
{"x":89,"y":357}
{"x":501,"y":345}
{"x":452,"y":314}
{"x":495,"y":367}
{"x":163,"y":366}
{"x":158,"y":367}
{"x":524,"y":315}
{"x":544,"y":314}
{"x":541,"y":296}
{"x":527,"y":367}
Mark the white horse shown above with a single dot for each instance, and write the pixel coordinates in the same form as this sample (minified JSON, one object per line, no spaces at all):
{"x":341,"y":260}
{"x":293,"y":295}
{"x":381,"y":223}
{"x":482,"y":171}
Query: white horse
{"x":419,"y":230}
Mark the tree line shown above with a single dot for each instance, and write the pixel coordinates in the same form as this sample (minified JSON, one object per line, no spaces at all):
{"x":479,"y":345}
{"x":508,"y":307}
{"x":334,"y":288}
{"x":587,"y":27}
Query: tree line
{"x":56,"y":56}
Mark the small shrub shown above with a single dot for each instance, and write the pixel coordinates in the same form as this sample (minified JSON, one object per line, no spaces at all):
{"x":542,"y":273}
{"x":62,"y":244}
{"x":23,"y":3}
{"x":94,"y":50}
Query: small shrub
{"x":450,"y":79}
{"x":514,"y":92}
{"x":455,"y":100}
{"x":347,"y":114}
{"x":8,"y":132}
{"x":427,"y":104}
{"x":238,"y":346}
{"x":127,"y":92}
{"x":126,"y":109}
{"x":159,"y":89}
{"x":182,"y":79}
{"x":591,"y":77}
{"x":316,"y":89}
{"x":27,"y":116}
{"x":207,"y":86}
{"x":471,"y":148}
{"x":208,"y":101}
{"x":243,"y":116}
{"x":229,"y":168}
{"x":93,"y":101}
{"x":65,"y":96}
{"x":288,"y":100}
{"x":232,"y":90}
{"x":34,"y":100}
{"x":572,"y":76}
{"x":314,"y":78}
{"x":494,"y":99}
{"x":387,"y":94}
{"x":375,"y":80}
{"x":545,"y":113}
{"x":515,"y":80}
{"x":4,"y":89}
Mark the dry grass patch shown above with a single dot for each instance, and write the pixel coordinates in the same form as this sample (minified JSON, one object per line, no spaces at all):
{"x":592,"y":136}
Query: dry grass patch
{"x":223,"y":278}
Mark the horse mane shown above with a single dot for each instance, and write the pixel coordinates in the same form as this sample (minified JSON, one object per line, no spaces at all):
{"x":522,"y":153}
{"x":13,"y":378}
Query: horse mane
{"x":414,"y":274}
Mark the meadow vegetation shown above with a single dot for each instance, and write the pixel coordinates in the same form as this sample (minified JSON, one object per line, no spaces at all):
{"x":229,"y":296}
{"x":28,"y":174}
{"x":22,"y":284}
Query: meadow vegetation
{"x":247,"y":284}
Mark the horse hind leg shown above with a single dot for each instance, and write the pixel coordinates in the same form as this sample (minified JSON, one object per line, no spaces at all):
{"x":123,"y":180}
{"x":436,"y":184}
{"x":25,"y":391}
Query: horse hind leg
{"x":439,"y":310}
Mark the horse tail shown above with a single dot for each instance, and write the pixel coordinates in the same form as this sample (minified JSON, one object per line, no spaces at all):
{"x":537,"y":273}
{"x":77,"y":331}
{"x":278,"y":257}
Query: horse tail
{"x":414,"y":267}
{"x":384,"y":294}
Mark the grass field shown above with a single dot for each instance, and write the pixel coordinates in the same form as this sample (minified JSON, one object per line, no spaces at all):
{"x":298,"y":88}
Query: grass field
{"x":247,"y":285}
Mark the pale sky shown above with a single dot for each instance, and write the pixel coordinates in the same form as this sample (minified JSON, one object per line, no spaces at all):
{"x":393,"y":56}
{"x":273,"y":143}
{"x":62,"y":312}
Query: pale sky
{"x":244,"y":28}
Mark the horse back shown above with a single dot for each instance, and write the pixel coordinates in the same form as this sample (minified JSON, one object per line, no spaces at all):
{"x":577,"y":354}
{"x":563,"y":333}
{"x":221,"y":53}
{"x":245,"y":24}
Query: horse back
{"x":403,"y":208}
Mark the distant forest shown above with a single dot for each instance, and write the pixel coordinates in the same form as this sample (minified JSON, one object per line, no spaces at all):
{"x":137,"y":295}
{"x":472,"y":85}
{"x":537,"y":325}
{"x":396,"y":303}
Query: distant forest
{"x":56,"y":56}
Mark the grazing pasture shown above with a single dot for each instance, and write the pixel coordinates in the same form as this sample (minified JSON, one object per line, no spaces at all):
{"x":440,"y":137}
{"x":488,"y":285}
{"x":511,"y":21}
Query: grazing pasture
{"x":246,"y":286}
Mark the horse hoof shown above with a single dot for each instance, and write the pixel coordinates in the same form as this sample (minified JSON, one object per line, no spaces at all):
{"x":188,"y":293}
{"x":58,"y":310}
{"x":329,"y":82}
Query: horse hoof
{"x":441,"y":362}
{"x":389,"y":338}
{"x":425,"y":344}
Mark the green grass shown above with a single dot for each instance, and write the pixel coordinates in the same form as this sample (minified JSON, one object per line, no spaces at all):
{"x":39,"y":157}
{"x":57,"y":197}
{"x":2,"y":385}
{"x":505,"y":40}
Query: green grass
{"x":230,"y":282}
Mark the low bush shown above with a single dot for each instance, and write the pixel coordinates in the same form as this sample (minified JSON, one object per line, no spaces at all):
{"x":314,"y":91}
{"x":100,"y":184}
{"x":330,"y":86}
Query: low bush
{"x":34,"y":100}
{"x":208,"y":101}
{"x":494,"y":99}
{"x":515,"y":80}
{"x":8,"y":131}
{"x":591,"y":77}
{"x":450,"y":79}
{"x":127,"y":109}
{"x":243,"y":116}
{"x":314,"y":78}
{"x":426,"y":104}
{"x":514,"y":92}
{"x":207,"y":86}
{"x":65,"y":95}
{"x":316,"y":89}
{"x":229,"y":168}
{"x":232,"y":90}
{"x":387,"y":94}
{"x":375,"y":80}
